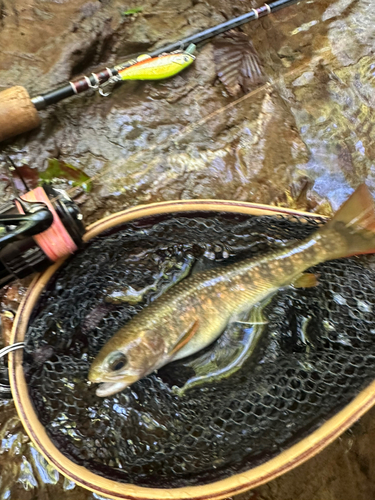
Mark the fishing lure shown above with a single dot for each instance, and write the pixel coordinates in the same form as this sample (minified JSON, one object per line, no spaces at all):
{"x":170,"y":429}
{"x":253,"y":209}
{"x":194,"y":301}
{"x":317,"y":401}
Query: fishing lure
{"x":158,"y":68}
{"x":146,"y":67}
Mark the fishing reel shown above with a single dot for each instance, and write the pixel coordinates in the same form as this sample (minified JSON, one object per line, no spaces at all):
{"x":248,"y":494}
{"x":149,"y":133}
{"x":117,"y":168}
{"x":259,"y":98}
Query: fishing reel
{"x":36,"y":229}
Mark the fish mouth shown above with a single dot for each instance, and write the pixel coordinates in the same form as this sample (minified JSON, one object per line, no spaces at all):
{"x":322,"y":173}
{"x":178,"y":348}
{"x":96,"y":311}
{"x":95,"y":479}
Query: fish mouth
{"x":109,"y":388}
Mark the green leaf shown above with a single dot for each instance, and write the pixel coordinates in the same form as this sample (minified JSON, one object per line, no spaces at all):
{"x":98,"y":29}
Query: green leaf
{"x":58,"y":169}
{"x":130,"y":12}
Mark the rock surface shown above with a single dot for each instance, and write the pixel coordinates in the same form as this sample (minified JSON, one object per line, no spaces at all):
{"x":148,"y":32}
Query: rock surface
{"x":305,"y":139}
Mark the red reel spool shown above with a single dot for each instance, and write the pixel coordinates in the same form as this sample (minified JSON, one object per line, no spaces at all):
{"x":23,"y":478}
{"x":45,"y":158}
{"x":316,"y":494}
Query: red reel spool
{"x":55,"y":242}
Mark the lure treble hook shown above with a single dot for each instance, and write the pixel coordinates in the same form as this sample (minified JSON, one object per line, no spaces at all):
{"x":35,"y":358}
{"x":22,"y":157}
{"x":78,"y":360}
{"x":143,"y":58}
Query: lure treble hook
{"x":111,"y":83}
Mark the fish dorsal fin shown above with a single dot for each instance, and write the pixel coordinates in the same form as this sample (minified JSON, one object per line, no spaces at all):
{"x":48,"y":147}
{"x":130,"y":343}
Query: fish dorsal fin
{"x":185,"y":337}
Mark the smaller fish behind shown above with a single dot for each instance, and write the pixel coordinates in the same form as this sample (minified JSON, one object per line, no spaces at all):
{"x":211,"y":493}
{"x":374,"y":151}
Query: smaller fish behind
{"x":192,"y":314}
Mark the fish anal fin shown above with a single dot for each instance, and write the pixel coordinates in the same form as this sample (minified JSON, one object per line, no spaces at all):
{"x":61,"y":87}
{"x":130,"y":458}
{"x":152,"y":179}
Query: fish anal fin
{"x":185,"y":337}
{"x":306,"y":280}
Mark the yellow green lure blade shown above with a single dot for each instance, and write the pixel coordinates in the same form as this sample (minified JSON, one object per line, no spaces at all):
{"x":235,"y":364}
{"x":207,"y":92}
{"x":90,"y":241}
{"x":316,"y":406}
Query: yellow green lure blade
{"x":158,"y":68}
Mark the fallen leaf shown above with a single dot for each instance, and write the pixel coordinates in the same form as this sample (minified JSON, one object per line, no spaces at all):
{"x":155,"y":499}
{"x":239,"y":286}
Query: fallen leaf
{"x":15,"y":175}
{"x":237,"y":63}
{"x":58,"y":169}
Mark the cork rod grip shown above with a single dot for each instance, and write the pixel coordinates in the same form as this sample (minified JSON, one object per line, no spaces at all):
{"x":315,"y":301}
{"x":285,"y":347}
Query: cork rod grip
{"x":17,"y":113}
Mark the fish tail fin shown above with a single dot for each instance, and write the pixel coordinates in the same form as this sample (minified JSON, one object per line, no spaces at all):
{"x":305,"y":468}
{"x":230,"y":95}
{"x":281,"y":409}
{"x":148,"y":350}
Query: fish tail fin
{"x":354,"y":225}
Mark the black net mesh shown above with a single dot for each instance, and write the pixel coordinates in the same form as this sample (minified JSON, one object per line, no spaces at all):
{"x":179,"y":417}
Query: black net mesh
{"x":316,"y":353}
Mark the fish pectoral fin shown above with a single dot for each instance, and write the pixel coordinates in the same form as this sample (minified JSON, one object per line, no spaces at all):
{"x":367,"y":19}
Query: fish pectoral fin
{"x":230,"y":352}
{"x":306,"y":280}
{"x":185,"y":337}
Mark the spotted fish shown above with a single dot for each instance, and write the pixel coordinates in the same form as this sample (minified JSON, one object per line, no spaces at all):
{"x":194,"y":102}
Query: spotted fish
{"x":193,"y":313}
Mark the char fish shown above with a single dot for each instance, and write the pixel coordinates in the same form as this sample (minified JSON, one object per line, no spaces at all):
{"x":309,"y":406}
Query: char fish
{"x":193,"y":313}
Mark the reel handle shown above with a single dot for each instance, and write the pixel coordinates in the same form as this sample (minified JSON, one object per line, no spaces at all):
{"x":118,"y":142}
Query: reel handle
{"x":17,"y":113}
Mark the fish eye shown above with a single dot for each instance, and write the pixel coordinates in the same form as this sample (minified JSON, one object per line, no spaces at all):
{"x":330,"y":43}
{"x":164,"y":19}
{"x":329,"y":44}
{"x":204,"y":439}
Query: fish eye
{"x":117,"y":361}
{"x":186,"y":59}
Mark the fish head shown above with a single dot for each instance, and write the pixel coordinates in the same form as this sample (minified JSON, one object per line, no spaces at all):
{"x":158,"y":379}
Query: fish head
{"x":119,"y":364}
{"x":183,"y":59}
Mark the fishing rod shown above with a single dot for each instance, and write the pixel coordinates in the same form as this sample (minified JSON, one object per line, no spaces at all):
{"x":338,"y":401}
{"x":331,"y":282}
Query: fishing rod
{"x":19,"y":112}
